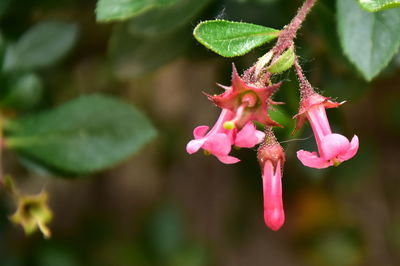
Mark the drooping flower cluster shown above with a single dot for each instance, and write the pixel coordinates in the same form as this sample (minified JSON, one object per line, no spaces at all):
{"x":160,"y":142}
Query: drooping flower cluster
{"x":246,"y":102}
{"x":241,"y":104}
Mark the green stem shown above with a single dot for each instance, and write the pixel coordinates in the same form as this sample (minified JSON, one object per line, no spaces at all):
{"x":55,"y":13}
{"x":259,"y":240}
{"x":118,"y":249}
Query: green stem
{"x":1,"y":149}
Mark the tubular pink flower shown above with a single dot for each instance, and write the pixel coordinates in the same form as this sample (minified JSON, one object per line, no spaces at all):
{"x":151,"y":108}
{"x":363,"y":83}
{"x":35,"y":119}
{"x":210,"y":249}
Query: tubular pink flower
{"x":271,"y":158}
{"x":274,"y":216}
{"x":333,"y":148}
{"x":218,"y":140}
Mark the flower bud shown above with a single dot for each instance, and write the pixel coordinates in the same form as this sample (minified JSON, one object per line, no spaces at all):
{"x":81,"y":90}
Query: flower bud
{"x":271,"y":158}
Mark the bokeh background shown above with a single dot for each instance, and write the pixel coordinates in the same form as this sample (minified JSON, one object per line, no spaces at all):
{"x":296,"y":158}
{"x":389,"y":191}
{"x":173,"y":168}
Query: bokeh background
{"x":164,"y":207}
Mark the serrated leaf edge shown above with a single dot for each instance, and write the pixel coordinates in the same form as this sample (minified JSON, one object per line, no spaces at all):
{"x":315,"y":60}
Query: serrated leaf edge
{"x":207,"y":45}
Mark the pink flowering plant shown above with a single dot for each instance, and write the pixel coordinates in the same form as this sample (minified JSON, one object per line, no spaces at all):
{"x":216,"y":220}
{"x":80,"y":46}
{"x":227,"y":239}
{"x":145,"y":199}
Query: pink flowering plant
{"x":63,"y":115}
{"x":248,"y":100}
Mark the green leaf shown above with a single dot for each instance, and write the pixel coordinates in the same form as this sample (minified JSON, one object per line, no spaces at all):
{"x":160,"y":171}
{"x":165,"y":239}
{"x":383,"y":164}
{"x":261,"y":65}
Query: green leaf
{"x":284,"y":62}
{"x":112,"y":10}
{"x":369,"y":40}
{"x":23,"y":91}
{"x":135,"y":46}
{"x":229,"y":39}
{"x":163,"y":20}
{"x":84,"y":135}
{"x":41,"y":46}
{"x":133,"y":56}
{"x":378,"y":5}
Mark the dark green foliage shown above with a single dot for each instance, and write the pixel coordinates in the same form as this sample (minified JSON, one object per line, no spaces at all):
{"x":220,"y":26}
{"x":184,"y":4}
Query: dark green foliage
{"x":88,"y":134}
{"x":370,"y":40}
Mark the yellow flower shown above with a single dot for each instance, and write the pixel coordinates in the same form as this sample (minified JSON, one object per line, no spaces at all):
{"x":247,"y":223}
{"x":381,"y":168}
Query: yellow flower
{"x":33,"y":213}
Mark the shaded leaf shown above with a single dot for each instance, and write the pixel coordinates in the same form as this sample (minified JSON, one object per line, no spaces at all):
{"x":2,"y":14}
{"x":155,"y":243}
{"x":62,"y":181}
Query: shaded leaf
{"x":164,"y":20}
{"x":369,"y":40}
{"x":229,"y":39}
{"x":87,"y":134}
{"x":133,"y":56}
{"x":23,"y":91}
{"x":41,"y":46}
{"x":378,"y":5}
{"x":112,"y":10}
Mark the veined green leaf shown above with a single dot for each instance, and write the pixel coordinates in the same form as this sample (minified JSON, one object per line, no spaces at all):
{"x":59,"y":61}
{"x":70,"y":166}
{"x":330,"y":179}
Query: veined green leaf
{"x":229,"y":39}
{"x":84,"y":135}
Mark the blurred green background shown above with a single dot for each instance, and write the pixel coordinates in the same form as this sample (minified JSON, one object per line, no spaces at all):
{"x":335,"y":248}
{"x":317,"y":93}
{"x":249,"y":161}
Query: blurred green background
{"x":164,"y":207}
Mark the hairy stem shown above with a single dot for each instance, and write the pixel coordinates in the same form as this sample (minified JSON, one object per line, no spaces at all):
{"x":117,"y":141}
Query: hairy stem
{"x":285,"y":40}
{"x":305,"y":86}
{"x":289,"y":32}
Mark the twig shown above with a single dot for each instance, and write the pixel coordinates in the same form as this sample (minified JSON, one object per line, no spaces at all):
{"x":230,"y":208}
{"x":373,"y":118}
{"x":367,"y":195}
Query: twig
{"x":288,"y":34}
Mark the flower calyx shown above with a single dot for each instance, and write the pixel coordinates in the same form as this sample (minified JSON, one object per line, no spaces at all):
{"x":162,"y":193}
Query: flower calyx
{"x":309,"y":100}
{"x":247,"y":101}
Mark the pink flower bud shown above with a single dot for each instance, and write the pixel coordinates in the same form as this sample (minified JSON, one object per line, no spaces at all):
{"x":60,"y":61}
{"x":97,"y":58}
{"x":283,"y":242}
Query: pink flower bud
{"x":274,"y":216}
{"x":271,"y":158}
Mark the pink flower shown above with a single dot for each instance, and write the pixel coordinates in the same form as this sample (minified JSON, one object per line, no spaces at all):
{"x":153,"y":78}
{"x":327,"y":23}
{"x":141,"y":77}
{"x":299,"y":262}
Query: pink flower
{"x":248,"y":102}
{"x":271,"y":158}
{"x":333,"y":148}
{"x":218,"y":140}
{"x":274,"y":215}
{"x":248,"y":136}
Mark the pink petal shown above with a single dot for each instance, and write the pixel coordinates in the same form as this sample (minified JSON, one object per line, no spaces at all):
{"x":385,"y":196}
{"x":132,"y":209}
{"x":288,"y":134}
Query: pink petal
{"x":260,"y":136}
{"x":351,"y":151}
{"x":228,"y":159}
{"x":311,"y":159}
{"x":218,"y":144}
{"x":248,"y":136}
{"x":274,"y":215}
{"x":319,"y":122}
{"x":333,"y":145}
{"x":200,"y":131}
{"x":194,"y":145}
